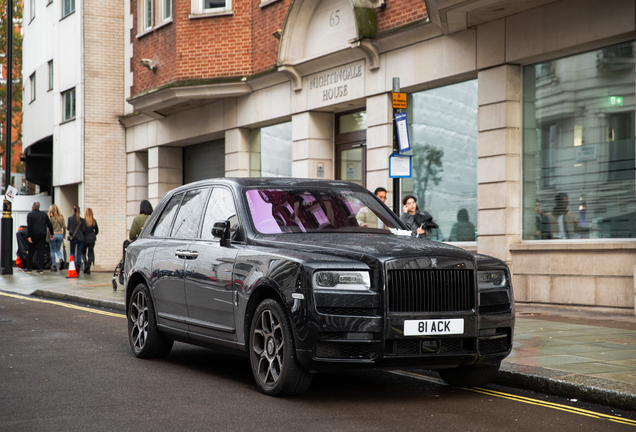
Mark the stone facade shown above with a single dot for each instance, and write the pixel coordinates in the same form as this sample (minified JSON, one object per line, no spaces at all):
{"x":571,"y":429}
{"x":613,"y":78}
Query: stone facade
{"x":280,"y":86}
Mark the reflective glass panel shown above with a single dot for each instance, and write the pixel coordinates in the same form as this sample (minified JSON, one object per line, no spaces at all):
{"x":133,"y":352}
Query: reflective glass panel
{"x":578,"y":146}
{"x":352,"y":122}
{"x":443,"y":136}
{"x":271,"y":151}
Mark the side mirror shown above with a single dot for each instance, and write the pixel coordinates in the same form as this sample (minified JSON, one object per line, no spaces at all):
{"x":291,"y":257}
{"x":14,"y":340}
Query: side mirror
{"x":221,"y":230}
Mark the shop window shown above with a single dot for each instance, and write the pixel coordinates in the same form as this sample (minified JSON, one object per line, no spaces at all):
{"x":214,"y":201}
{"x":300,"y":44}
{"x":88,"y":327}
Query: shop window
{"x":578,"y":146}
{"x":443,"y":134}
{"x":271,"y":151}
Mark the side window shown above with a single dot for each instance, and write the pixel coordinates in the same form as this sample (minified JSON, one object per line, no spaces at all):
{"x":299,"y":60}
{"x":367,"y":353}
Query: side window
{"x":162,"y":227}
{"x":186,"y":225}
{"x":220,"y":207}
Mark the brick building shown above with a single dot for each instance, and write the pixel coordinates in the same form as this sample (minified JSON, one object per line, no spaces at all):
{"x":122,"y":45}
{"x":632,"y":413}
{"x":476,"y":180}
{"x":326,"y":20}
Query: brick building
{"x":74,"y":145}
{"x":517,"y":112}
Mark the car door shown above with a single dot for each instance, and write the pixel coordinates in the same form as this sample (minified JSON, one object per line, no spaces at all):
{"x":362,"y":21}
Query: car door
{"x":168,"y":268}
{"x":209,"y":281}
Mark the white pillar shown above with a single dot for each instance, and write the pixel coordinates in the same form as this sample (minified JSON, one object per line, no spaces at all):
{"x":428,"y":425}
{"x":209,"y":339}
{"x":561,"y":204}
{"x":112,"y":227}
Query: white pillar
{"x":313,"y":148}
{"x":165,"y":171}
{"x":237,"y":152}
{"x":379,"y":143}
{"x":499,"y":161}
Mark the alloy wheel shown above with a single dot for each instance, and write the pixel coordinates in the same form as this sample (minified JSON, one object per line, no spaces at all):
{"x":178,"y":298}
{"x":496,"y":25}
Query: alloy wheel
{"x":139,"y":318}
{"x":269,"y":346}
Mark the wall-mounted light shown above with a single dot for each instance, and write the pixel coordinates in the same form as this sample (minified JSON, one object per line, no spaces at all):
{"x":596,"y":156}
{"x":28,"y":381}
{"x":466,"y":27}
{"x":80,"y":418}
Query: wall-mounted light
{"x":148,"y":64}
{"x":278,"y":33}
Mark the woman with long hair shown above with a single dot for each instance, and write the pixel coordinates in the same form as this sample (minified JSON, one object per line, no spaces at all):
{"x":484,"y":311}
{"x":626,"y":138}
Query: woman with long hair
{"x":59,"y":231}
{"x":90,"y":236}
{"x":76,"y":227}
{"x":145,"y":210}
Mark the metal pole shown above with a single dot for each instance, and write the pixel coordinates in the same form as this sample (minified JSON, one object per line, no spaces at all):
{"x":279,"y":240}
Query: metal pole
{"x":7,"y":219}
{"x":397,"y":208}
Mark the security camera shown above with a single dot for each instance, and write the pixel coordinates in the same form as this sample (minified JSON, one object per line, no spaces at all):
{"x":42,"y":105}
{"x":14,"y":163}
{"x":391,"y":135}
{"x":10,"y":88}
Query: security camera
{"x":148,"y":64}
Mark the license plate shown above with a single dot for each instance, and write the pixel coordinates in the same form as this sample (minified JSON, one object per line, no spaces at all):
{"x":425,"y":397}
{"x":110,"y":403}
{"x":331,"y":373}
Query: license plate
{"x":433,"y":327}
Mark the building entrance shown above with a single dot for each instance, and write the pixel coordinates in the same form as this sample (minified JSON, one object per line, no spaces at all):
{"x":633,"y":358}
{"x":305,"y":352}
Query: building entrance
{"x":351,"y":147}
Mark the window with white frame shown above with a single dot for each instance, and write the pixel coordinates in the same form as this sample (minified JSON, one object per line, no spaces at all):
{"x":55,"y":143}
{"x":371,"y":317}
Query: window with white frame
{"x":68,"y":105}
{"x":68,"y":7}
{"x":32,"y":9}
{"x":148,"y":7}
{"x":211,"y":6}
{"x":51,"y":75}
{"x":32,"y":87}
{"x":154,"y":13}
{"x":166,"y":13}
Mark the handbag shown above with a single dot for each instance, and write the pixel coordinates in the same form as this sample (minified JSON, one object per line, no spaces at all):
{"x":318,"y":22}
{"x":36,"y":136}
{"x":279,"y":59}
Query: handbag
{"x":72,"y":237}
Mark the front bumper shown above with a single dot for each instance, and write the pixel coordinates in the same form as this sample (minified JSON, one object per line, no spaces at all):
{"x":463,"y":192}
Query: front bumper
{"x":333,"y":342}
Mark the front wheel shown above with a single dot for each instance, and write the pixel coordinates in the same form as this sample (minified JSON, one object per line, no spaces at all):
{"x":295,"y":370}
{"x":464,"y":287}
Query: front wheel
{"x":469,"y":376}
{"x":272,"y":353}
{"x":145,"y":338}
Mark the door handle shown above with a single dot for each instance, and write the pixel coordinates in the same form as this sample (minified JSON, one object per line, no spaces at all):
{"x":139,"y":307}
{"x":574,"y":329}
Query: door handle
{"x":186,"y":254}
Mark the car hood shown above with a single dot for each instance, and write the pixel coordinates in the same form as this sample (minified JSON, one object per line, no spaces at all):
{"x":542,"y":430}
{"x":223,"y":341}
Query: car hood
{"x":363,"y":246}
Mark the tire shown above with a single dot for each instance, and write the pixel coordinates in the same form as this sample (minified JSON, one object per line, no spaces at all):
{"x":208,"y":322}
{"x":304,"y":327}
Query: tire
{"x":145,"y":338}
{"x":469,"y":376}
{"x":272,"y":353}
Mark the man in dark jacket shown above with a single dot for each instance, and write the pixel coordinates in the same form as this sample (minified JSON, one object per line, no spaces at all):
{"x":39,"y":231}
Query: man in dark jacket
{"x":37,"y":223}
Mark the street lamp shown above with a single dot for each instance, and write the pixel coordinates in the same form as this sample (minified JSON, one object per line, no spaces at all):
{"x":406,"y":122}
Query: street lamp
{"x":6,"y":250}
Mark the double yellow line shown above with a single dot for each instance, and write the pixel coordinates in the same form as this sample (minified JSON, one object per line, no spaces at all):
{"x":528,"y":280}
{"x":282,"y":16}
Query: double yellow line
{"x":488,"y":392}
{"x":526,"y":400}
{"x":66,"y":305}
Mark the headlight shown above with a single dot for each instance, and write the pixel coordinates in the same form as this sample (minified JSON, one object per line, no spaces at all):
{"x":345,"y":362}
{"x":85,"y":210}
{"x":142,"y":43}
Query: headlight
{"x":344,"y":280}
{"x":491,"y":279}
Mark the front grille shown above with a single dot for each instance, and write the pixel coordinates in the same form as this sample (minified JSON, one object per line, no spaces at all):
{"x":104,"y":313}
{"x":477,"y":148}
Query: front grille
{"x":347,"y":311}
{"x":343,"y":350}
{"x":406,"y":347}
{"x":429,"y":290}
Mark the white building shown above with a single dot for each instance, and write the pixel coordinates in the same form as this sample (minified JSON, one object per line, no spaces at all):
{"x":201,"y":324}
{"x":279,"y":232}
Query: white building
{"x":73,"y":69}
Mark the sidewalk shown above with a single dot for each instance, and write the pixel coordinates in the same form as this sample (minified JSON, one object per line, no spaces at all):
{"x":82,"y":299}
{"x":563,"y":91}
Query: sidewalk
{"x":579,"y":355}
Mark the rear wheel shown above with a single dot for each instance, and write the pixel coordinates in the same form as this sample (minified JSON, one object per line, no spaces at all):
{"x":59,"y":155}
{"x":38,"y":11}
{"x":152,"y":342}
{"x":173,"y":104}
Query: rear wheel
{"x":145,"y":338}
{"x":469,"y":376}
{"x":272,"y":353}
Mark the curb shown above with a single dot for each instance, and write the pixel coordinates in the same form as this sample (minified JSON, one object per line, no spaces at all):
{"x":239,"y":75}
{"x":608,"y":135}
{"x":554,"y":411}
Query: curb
{"x":79,"y":299}
{"x":570,"y":390}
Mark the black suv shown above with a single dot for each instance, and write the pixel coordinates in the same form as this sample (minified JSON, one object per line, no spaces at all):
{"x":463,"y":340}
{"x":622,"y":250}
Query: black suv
{"x":285,"y":272}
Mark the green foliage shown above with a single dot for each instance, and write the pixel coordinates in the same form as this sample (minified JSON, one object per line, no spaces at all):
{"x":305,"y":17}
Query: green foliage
{"x":16,"y":117}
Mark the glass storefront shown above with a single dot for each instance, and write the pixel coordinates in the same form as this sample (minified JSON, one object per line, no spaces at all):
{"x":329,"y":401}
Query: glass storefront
{"x":578,"y":146}
{"x":443,"y":134}
{"x":271,"y":151}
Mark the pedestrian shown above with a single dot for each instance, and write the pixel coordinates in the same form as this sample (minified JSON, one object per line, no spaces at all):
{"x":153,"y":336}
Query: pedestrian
{"x":463,"y":229}
{"x":59,"y":232}
{"x":145,"y":210}
{"x":76,"y":227}
{"x":37,"y":224}
{"x":421,"y":224}
{"x":90,"y":236}
{"x":366,"y":217}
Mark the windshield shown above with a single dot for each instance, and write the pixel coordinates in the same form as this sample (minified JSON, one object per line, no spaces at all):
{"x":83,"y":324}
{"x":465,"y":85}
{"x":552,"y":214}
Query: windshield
{"x":276,"y":211}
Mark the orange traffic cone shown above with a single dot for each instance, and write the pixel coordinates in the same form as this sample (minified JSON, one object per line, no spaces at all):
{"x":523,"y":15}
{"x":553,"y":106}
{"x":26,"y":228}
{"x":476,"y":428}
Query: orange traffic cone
{"x":72,"y":273}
